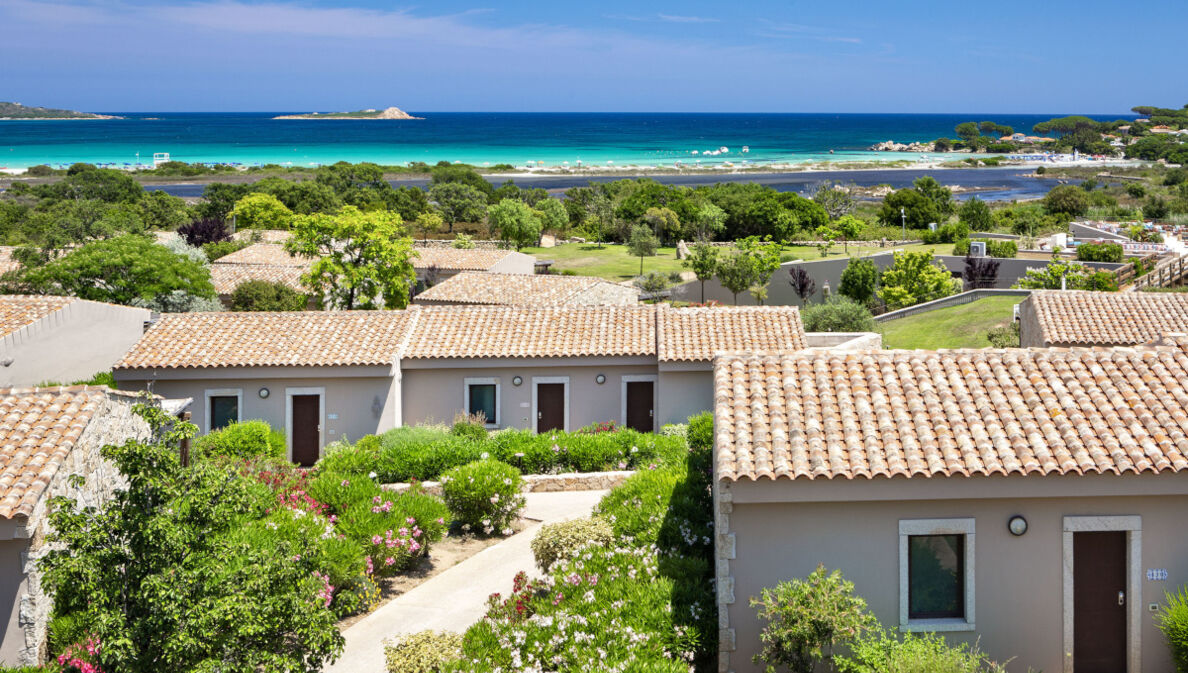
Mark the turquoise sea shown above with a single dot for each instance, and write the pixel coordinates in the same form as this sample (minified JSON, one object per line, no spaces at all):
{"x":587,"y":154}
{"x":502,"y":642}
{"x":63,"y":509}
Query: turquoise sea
{"x":549,"y":139}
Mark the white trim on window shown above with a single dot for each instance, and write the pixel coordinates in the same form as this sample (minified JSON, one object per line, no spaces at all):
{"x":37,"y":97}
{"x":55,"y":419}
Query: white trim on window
{"x":1133,"y":527}
{"x":484,"y":381}
{"x":289,"y":393}
{"x":636,"y":378}
{"x":237,"y":393}
{"x":550,"y":379}
{"x":910,"y":527}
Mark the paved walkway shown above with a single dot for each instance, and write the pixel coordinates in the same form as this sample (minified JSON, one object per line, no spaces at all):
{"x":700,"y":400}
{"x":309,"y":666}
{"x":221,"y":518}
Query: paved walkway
{"x":457,"y":597}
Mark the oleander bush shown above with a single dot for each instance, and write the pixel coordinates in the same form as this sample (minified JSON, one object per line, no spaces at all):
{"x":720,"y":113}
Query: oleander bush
{"x":561,"y":540}
{"x":484,"y":496}
{"x":395,"y":530}
{"x":1172,"y":620}
{"x":423,"y":652}
{"x":247,"y":439}
{"x":881,"y":652}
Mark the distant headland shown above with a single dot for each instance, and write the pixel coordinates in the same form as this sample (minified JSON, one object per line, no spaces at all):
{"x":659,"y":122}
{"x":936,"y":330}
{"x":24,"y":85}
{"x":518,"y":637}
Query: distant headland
{"x":16,"y":111}
{"x":387,"y":113}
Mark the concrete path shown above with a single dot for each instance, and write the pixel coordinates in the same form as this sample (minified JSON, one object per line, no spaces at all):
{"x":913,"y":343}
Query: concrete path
{"x":457,"y":597}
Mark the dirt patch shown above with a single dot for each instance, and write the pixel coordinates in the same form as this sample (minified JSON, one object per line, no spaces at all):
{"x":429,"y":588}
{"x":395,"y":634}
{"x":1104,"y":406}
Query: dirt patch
{"x":446,"y":554}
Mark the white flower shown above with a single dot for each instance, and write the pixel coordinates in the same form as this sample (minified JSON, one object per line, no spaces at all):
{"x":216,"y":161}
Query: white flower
{"x":484,"y":455}
{"x":372,"y":475}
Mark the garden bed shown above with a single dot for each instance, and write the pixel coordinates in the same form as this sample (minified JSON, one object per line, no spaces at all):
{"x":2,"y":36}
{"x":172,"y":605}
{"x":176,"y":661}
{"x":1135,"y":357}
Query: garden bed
{"x":541,"y":483}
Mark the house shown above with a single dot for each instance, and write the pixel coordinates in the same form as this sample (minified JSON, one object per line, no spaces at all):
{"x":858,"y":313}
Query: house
{"x":325,"y":376}
{"x":434,"y":265}
{"x":320,"y":375}
{"x":47,"y":437}
{"x":226,"y":277}
{"x":1085,"y":318}
{"x":1028,"y":500}
{"x":517,"y":289}
{"x":62,"y":339}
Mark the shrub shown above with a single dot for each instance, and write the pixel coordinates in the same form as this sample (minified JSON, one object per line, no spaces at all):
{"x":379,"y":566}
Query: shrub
{"x":222,"y":248}
{"x":947,"y":233}
{"x":423,"y":652}
{"x":339,"y":491}
{"x":838,"y":314}
{"x":1067,"y":200}
{"x":396,"y":530}
{"x":994,"y":247}
{"x":881,"y":652}
{"x":557,"y":541}
{"x":469,"y":428}
{"x":204,"y":231}
{"x":1172,"y":620}
{"x":806,"y":618}
{"x":1006,"y":336}
{"x":484,"y":495}
{"x":700,"y":434}
{"x":1100,"y":252}
{"x":263,"y":295}
{"x":858,"y":280}
{"x":247,"y":439}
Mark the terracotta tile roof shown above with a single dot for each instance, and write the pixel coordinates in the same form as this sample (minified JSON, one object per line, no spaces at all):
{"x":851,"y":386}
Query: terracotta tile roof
{"x":538,"y":331}
{"x":17,"y":311}
{"x":38,"y":430}
{"x":698,"y":333}
{"x":272,"y":254}
{"x":264,"y":235}
{"x":300,"y":338}
{"x":1078,"y":317}
{"x":831,"y":414}
{"x":227,"y":277}
{"x":517,"y":289}
{"x":456,"y":259}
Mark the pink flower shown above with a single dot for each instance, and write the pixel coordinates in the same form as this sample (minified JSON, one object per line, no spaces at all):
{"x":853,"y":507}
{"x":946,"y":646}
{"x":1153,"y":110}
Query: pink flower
{"x":375,"y":539}
{"x":389,"y":561}
{"x":410,"y":521}
{"x":345,"y":483}
{"x":440,"y":521}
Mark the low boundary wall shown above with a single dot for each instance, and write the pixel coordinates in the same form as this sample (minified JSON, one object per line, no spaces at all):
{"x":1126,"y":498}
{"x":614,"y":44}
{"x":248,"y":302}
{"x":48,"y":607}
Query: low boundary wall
{"x":951,"y":300}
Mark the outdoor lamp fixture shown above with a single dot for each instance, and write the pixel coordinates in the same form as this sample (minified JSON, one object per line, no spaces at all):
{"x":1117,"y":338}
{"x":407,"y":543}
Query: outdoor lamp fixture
{"x":517,"y":380}
{"x":600,"y":379}
{"x":263,"y":393}
{"x":1017,"y":525}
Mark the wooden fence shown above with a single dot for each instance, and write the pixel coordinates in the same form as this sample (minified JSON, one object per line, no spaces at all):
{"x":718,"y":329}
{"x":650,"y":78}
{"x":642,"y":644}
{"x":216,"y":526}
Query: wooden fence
{"x":1168,"y":273}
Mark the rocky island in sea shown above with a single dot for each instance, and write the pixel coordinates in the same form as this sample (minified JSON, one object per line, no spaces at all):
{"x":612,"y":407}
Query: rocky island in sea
{"x":386,"y":113}
{"x":16,"y":111}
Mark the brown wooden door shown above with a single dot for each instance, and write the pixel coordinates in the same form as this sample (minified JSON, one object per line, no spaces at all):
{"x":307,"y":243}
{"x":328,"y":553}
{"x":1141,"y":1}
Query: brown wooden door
{"x":639,"y":405}
{"x":550,"y":406}
{"x":306,"y":433}
{"x":1099,"y":602}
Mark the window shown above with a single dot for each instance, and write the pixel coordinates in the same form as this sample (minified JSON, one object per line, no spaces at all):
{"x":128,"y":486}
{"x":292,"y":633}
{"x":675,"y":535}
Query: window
{"x":222,"y":408}
{"x":936,"y":573}
{"x":482,"y":396}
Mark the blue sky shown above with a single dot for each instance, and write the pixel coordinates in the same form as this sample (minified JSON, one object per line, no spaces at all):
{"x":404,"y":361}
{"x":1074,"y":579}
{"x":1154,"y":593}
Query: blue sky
{"x":1046,"y":56}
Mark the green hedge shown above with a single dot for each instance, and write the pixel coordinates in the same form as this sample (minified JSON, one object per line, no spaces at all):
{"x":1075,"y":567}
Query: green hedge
{"x":248,"y":439}
{"x":994,"y":248}
{"x":424,"y":453}
{"x":1100,"y":252}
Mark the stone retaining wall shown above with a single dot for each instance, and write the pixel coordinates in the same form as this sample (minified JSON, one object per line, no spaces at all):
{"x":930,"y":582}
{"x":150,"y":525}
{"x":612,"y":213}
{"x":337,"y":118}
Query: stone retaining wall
{"x":544,"y":483}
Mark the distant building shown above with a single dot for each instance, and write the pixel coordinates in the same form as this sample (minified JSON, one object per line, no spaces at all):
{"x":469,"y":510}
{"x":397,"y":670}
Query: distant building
{"x":1063,"y":318}
{"x":517,"y":289}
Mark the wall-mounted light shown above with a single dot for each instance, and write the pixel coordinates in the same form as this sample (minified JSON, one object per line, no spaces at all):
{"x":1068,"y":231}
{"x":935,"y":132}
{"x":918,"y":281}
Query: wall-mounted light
{"x":600,"y":379}
{"x":1017,"y":525}
{"x":517,"y":380}
{"x":264,"y":393}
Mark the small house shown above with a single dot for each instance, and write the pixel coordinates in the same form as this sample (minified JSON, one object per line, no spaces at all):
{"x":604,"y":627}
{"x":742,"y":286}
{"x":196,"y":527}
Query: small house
{"x":518,"y":289}
{"x":1085,"y":318}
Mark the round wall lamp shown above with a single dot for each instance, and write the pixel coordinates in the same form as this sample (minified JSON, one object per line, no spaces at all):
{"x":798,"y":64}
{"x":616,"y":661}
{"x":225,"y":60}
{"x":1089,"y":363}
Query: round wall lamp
{"x":600,"y":379}
{"x":1017,"y":525}
{"x":517,"y":380}
{"x":264,"y":393}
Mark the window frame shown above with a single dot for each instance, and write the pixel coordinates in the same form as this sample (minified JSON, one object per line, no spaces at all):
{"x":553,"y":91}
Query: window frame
{"x":484,"y":381}
{"x":909,"y":528}
{"x":237,"y":393}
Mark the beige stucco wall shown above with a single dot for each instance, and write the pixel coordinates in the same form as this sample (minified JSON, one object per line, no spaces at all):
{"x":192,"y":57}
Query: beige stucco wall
{"x":71,"y":344}
{"x":438,"y":393}
{"x":516,"y":262}
{"x":684,"y":393}
{"x":1018,"y":580}
{"x":354,"y":405}
{"x":1030,"y":333}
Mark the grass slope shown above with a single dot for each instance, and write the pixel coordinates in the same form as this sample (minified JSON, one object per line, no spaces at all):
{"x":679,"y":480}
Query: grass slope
{"x":962,"y":326}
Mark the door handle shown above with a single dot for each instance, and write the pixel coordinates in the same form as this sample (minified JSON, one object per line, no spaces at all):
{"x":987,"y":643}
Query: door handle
{"x":539,"y":415}
{"x":651,"y":412}
{"x":1121,"y":598}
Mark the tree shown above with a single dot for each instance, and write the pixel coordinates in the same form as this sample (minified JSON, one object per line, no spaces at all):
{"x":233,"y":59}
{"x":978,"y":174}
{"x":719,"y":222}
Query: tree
{"x":643,"y":243}
{"x":1067,"y":200}
{"x":703,"y":259}
{"x":219,"y":198}
{"x":263,"y":295}
{"x":826,"y":236}
{"x":914,"y":278}
{"x":711,"y":220}
{"x":159,"y":210}
{"x":204,"y":230}
{"x":653,"y":282}
{"x":664,"y":223}
{"x":513,"y":221}
{"x":553,"y":216}
{"x":178,"y":301}
{"x":838,"y":314}
{"x":736,"y":271}
{"x":980,"y":272}
{"x":848,"y":228}
{"x":363,"y":259}
{"x":938,"y":194}
{"x":161,"y":576}
{"x":458,"y":202}
{"x":119,"y":270}
{"x":802,"y":283}
{"x":976,"y":215}
{"x":968,"y":132}
{"x":462,"y":175}
{"x":1061,"y":275}
{"x":429,"y":223}
{"x":858,"y":280}
{"x":836,"y":199}
{"x":919,"y":209}
{"x":261,"y":211}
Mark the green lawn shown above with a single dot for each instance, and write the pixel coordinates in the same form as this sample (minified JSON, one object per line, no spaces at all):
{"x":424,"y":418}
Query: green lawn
{"x":614,"y":263}
{"x":962,"y":326}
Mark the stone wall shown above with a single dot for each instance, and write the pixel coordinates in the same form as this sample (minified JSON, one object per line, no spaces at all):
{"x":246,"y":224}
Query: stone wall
{"x":112,"y":423}
{"x":545,"y":483}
